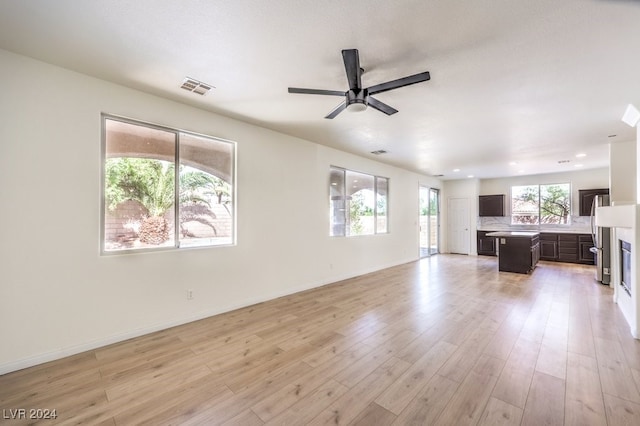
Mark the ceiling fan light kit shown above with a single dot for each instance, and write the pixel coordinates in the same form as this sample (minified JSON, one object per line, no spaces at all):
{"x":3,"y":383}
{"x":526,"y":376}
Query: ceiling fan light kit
{"x":358,"y":98}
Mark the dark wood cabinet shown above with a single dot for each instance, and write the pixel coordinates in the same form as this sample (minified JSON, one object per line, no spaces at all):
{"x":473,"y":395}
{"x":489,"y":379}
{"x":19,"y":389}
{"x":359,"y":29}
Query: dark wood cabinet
{"x":554,"y":247}
{"x":585,"y":242}
{"x":518,"y":254}
{"x":491,"y":205}
{"x":568,"y":248}
{"x":548,"y":246}
{"x":572,"y":248}
{"x":486,"y":245}
{"x":585,"y":199}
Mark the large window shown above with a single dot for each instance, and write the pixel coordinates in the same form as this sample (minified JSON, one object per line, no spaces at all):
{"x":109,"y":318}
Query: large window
{"x":358,"y":203}
{"x":540,"y":204}
{"x":164,"y":188}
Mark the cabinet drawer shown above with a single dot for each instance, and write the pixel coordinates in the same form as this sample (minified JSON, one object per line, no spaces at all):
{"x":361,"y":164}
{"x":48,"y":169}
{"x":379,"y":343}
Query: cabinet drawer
{"x":568,"y":257}
{"x":568,"y":250}
{"x":549,"y":237}
{"x":568,"y":238}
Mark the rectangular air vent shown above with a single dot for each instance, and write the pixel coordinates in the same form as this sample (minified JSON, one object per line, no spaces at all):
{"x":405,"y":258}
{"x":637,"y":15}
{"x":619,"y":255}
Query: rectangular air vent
{"x":378,"y":152}
{"x":195,"y":86}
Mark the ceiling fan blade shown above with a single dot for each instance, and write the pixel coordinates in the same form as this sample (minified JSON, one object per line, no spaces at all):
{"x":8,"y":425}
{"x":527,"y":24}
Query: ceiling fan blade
{"x":316,"y":91}
{"x":352,"y":67}
{"x":381,"y":106}
{"x":401,"y":82}
{"x":337,"y":110}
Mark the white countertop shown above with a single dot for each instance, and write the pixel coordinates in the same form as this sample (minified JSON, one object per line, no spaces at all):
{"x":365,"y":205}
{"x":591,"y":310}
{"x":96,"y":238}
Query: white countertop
{"x":539,"y":231}
{"x":513,"y":234}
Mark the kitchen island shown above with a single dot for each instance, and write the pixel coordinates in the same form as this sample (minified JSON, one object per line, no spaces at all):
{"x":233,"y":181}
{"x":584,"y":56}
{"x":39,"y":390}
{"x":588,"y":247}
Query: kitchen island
{"x":517,"y":251}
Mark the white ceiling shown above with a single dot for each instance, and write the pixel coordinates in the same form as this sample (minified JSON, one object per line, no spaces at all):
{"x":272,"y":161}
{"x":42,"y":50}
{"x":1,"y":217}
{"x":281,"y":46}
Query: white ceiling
{"x":528,"y":81}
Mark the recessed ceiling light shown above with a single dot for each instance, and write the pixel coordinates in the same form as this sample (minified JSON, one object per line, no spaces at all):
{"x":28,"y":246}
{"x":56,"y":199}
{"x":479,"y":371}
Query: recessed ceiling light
{"x":456,"y":170}
{"x":577,"y":165}
{"x":520,"y":171}
{"x":469,"y":176}
{"x":513,"y":163}
{"x":195,"y":86}
{"x":581,"y":155}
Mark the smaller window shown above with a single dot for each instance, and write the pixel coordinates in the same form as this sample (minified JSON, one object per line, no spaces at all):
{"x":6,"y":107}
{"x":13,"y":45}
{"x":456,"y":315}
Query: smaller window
{"x":358,"y":203}
{"x":541,"y":204}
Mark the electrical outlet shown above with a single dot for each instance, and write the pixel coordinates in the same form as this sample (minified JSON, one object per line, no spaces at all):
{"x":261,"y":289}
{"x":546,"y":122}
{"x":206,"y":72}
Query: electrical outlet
{"x":189,"y":294}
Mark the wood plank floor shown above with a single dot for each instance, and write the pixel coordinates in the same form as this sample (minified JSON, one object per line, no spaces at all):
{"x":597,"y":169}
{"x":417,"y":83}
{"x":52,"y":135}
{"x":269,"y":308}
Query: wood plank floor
{"x":447,"y":340}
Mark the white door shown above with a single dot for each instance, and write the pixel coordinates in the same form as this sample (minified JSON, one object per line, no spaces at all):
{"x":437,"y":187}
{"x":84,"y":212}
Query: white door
{"x":459,"y":225}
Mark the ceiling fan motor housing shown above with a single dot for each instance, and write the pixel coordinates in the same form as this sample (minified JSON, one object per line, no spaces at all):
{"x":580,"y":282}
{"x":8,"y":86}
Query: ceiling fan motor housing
{"x":357,"y":99}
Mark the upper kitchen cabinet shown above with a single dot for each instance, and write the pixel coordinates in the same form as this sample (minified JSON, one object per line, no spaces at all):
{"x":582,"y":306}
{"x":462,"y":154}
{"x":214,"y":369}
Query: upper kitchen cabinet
{"x":585,"y":198}
{"x":491,"y":205}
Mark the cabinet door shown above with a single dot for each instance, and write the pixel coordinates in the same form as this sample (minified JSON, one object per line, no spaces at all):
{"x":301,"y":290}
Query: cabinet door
{"x":585,"y":254}
{"x":491,"y":205}
{"x":548,"y":246}
{"x":548,"y":250}
{"x":585,"y":199}
{"x":487,"y":246}
{"x":535,"y":254}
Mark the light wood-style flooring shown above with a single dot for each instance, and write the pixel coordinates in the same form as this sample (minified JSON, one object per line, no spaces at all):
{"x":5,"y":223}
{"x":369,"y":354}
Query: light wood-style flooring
{"x":446,"y":340}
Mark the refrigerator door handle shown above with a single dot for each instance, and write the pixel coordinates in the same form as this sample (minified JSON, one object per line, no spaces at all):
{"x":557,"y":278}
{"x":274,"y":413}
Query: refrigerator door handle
{"x":594,"y":234}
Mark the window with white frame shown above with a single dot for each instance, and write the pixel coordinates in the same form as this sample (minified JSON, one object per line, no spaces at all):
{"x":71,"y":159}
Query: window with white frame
{"x":358,"y":203}
{"x":164,"y":188}
{"x":541,"y":204}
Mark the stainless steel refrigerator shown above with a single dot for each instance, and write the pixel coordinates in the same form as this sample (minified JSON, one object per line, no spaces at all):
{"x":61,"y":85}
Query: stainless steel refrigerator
{"x":601,"y":242}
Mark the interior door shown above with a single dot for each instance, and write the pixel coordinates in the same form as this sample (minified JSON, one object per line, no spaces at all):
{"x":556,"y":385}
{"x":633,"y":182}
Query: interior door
{"x":458,"y":225}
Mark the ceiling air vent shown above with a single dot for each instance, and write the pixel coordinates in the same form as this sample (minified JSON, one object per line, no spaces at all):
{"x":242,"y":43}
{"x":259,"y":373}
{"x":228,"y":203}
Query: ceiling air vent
{"x":195,"y":86}
{"x":378,"y":152}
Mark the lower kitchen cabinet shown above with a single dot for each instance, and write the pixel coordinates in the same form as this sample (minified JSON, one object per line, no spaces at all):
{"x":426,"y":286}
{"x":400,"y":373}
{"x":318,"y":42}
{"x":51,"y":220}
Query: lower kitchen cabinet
{"x":568,"y":248}
{"x":548,"y":246}
{"x":518,"y":253}
{"x":585,"y":255}
{"x":555,"y":247}
{"x":486,"y":245}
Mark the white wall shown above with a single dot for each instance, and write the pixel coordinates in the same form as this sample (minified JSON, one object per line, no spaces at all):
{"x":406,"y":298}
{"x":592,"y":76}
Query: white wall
{"x":59,"y":296}
{"x":623,"y":173}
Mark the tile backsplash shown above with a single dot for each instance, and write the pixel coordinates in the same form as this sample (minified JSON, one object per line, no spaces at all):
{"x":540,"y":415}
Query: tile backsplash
{"x":578,"y":225}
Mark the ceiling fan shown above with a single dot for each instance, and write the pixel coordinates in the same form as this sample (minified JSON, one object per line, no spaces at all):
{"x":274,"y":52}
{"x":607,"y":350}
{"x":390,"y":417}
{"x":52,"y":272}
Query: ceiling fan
{"x":358,"y":98}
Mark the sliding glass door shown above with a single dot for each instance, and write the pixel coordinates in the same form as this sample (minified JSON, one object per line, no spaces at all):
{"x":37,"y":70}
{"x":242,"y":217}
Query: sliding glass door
{"x":434,"y":221}
{"x":429,"y":221}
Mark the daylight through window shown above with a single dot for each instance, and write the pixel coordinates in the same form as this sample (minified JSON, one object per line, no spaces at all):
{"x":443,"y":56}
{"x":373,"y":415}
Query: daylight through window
{"x":165,"y":188}
{"x":358,"y":203}
{"x":541,"y":204}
